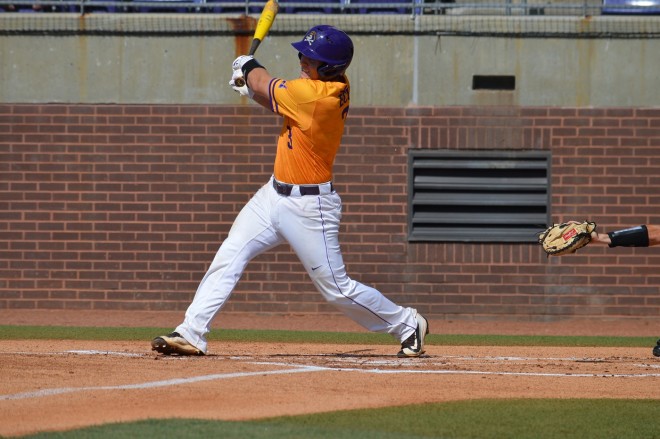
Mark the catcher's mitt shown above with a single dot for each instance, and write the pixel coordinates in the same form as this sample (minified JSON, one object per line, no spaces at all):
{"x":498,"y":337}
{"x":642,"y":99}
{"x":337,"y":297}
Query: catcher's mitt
{"x":565,"y":238}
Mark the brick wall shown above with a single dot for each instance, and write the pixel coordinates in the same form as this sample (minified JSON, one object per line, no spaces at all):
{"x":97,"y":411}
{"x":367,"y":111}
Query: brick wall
{"x":123,"y":207}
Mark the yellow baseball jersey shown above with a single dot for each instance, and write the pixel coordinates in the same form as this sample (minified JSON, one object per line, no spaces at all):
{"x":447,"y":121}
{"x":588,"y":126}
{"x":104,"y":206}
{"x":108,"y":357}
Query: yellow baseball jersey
{"x":314,"y":113}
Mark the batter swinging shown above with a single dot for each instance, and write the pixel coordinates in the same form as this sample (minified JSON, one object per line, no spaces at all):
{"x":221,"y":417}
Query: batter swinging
{"x":298,"y":205}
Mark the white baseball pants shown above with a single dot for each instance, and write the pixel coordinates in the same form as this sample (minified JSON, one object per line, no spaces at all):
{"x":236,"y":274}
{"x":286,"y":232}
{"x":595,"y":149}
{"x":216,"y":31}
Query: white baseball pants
{"x":310,"y":224}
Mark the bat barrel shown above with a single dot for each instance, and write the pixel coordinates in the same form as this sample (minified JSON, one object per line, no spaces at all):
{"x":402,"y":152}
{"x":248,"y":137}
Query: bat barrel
{"x":263,"y":26}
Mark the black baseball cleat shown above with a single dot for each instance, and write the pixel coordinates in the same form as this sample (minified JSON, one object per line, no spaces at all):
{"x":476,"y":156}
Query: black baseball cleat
{"x":174,"y":344}
{"x":656,"y":349}
{"x":413,"y":346}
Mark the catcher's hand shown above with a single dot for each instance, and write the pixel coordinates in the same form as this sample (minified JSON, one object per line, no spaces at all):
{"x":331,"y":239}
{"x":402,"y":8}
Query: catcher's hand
{"x":565,"y":238}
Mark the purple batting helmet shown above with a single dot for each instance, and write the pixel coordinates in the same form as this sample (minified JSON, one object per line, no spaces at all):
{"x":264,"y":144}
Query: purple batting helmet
{"x":329,"y":45}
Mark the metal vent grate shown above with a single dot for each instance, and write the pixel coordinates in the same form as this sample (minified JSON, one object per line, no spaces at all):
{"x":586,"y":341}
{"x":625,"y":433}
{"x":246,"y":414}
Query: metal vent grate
{"x":478,"y":196}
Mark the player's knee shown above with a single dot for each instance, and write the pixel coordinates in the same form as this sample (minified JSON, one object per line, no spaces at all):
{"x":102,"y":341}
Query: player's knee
{"x":324,"y":284}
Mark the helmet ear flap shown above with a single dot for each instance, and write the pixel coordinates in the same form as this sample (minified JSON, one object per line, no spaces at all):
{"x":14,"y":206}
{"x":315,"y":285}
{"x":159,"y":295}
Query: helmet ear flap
{"x":326,"y":72}
{"x":322,"y":69}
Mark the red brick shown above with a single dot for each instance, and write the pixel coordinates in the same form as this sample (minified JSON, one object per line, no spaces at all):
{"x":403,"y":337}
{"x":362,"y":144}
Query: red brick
{"x":113,"y":196}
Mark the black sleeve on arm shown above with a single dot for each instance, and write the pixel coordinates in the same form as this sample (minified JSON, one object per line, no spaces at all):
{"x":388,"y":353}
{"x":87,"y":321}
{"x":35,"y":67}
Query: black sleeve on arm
{"x":632,"y":237}
{"x":249,"y":66}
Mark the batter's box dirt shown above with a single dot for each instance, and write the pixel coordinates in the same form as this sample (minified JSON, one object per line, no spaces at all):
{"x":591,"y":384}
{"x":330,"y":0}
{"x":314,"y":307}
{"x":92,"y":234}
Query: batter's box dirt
{"x":486,"y":360}
{"x":533,"y":366}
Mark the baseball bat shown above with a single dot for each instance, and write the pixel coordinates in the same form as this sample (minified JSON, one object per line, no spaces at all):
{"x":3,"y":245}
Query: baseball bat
{"x":263,"y":26}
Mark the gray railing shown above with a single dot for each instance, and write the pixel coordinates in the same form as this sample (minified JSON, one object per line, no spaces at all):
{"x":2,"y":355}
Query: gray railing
{"x":412,"y":7}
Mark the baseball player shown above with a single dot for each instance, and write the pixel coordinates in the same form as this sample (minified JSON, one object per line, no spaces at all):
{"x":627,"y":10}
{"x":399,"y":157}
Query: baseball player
{"x":299,"y":204}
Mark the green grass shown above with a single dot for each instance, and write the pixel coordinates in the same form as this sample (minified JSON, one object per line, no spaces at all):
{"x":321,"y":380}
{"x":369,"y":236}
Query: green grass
{"x":252,"y":335}
{"x":483,"y":419}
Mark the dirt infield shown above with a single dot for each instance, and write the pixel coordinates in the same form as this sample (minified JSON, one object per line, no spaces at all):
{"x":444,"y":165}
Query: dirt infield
{"x":59,"y":385}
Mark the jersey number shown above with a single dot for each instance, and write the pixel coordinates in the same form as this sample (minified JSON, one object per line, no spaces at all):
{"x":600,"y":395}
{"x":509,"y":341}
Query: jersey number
{"x":289,"y":142}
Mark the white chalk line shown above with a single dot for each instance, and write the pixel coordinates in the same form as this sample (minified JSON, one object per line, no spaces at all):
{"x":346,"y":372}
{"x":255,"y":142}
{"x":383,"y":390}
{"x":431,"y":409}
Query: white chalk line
{"x":154,"y":384}
{"x":472,"y":372}
{"x":77,"y":352}
{"x":297,"y":368}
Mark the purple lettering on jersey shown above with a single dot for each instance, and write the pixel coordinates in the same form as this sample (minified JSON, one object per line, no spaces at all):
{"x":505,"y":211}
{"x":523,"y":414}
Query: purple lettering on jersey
{"x":344,"y":96}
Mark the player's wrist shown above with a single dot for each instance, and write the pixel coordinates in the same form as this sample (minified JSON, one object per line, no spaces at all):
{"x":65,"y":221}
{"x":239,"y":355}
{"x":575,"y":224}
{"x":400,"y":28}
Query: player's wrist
{"x":602,"y":238}
{"x":249,"y":66}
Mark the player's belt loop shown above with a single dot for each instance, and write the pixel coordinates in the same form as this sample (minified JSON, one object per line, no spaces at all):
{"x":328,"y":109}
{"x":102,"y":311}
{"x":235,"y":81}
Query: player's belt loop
{"x":287,"y":190}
